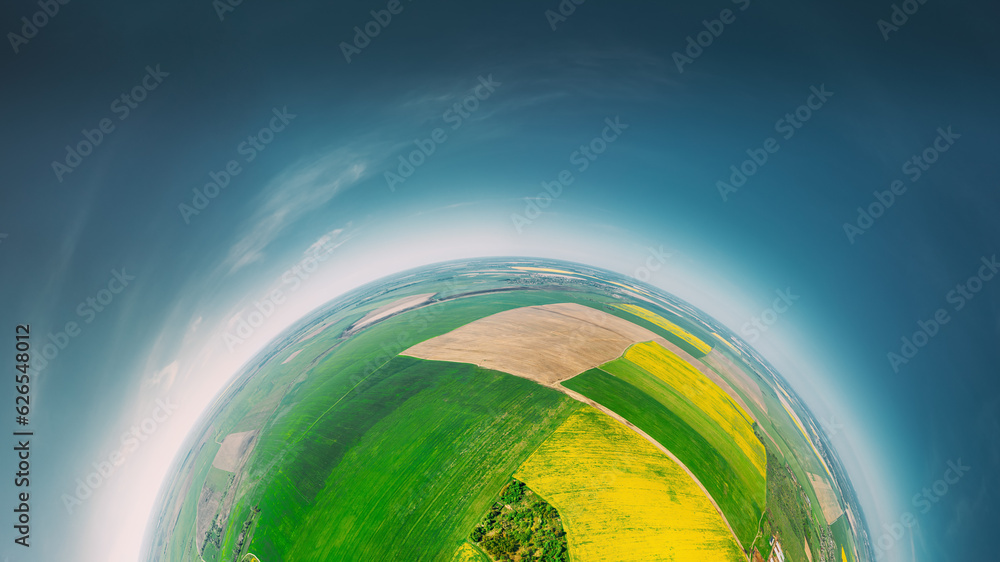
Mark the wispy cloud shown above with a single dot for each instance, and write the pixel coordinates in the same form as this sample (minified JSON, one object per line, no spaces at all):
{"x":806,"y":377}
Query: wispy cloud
{"x":163,"y":378}
{"x":306,"y":187}
{"x":330,"y":241}
{"x":290,"y":196}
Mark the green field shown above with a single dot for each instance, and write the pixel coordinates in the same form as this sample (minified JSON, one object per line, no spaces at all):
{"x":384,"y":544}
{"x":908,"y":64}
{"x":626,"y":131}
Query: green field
{"x":284,"y":400}
{"x":790,"y":521}
{"x":741,"y":504}
{"x":681,"y":404}
{"x":352,"y":370}
{"x":185,"y":538}
{"x":841,"y":529}
{"x":444,"y":436}
{"x":365,"y":455}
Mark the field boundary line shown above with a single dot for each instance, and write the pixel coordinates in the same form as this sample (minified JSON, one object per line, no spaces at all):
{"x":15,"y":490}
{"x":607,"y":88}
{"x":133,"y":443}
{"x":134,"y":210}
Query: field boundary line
{"x":614,"y":415}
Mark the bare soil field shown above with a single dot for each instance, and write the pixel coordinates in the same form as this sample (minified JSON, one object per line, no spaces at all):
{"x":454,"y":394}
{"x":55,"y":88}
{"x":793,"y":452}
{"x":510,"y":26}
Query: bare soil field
{"x":546,"y":344}
{"x":234,"y":447}
{"x":388,"y":310}
{"x":208,"y":506}
{"x":827,"y":498}
{"x":555,"y":342}
{"x":292,"y":356}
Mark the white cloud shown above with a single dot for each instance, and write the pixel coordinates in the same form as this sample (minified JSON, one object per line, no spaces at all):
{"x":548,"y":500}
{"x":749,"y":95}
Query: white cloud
{"x":164,"y":377}
{"x":329,"y":241}
{"x":290,"y":196}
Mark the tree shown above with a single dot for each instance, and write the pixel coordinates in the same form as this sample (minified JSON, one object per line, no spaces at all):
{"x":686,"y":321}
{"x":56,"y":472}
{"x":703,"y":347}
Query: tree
{"x":513,"y":492}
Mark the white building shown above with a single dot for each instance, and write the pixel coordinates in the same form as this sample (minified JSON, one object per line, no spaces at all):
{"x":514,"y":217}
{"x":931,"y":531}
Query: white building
{"x":777,"y":555}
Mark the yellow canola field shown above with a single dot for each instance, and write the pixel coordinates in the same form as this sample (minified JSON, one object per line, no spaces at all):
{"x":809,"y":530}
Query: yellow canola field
{"x":704,"y":394}
{"x":727,"y":342}
{"x":543,"y":270}
{"x":467,"y":553}
{"x":666,"y":325}
{"x":621,"y":499}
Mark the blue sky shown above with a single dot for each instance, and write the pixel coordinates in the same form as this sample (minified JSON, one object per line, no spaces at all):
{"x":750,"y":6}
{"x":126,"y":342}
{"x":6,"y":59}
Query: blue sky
{"x":321,"y":179}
